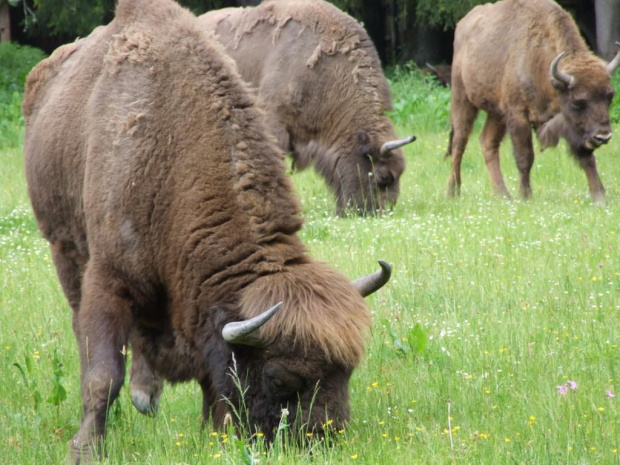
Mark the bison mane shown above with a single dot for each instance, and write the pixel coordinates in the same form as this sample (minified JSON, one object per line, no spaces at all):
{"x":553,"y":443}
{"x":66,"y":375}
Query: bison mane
{"x":320,"y":306}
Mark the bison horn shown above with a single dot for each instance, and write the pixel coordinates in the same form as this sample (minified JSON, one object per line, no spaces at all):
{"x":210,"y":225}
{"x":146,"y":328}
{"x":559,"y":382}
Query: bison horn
{"x":613,"y":64}
{"x":366,"y":285}
{"x":395,"y":144}
{"x":240,"y":332}
{"x":559,"y":76}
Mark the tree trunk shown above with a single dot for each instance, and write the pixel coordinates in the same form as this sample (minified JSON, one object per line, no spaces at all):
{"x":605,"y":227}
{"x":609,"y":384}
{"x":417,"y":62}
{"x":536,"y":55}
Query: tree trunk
{"x":5,"y":22}
{"x":607,"y":27}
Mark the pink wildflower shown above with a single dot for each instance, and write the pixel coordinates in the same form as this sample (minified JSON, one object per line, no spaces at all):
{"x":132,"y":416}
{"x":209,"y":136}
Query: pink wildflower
{"x":572,"y":385}
{"x":562,"y":390}
{"x":610,"y":394}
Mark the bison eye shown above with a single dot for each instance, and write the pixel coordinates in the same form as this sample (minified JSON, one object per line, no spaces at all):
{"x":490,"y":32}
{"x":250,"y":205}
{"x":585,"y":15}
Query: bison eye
{"x":281,"y":382}
{"x":385,"y":179}
{"x":579,"y":105}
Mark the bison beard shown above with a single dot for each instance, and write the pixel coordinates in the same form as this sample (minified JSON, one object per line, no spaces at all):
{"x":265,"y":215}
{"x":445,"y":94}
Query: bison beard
{"x":318,"y":77}
{"x":173,"y":230}
{"x":535,"y":71}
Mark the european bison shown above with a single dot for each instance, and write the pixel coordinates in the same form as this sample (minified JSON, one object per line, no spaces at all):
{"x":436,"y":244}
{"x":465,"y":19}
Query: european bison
{"x":318,"y":77}
{"x":173,"y":226}
{"x":525,"y":64}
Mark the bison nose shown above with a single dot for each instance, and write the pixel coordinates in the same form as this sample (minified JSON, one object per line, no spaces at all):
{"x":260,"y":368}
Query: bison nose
{"x":603,"y":138}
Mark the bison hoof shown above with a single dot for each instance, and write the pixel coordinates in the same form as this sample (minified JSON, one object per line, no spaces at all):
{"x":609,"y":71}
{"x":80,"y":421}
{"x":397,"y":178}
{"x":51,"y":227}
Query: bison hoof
{"x":81,"y":452}
{"x":146,"y":400}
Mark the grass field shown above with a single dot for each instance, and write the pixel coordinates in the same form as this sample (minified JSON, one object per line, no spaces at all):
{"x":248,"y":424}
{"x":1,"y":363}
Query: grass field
{"x":517,"y":300}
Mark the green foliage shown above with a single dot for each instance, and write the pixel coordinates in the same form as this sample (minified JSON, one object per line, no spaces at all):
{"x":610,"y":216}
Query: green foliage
{"x":27,"y":373}
{"x":59,"y":393}
{"x":614,"y":112}
{"x":75,"y":18}
{"x":416,"y":340}
{"x":443,"y":13}
{"x":420,"y":101}
{"x":16,"y":61}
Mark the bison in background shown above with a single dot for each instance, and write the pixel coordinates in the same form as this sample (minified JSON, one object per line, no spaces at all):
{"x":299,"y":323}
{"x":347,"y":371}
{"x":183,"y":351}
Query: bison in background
{"x":443,"y":73}
{"x":318,"y":77}
{"x":173,"y":228}
{"x":525,"y":64}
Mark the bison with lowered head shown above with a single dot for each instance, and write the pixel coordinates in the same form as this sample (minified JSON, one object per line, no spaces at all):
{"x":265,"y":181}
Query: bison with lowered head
{"x":173,"y":229}
{"x":525,"y":64}
{"x":318,"y":77}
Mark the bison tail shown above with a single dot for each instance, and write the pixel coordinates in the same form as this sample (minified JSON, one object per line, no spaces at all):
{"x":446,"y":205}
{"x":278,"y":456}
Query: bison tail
{"x":449,"y":149}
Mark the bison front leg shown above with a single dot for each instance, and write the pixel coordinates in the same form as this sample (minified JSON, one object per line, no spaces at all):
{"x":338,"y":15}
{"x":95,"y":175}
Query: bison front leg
{"x":490,"y":139}
{"x":104,"y":321}
{"x":523,"y":148}
{"x":597,"y":190}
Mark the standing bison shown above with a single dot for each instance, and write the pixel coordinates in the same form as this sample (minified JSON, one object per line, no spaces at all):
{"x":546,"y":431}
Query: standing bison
{"x":318,"y":77}
{"x":525,"y":64}
{"x":173,"y":229}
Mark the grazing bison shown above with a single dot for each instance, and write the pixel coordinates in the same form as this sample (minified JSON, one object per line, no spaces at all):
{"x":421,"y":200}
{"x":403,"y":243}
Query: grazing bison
{"x":318,"y":78}
{"x":443,"y":73}
{"x":172,"y":227}
{"x":525,"y":64}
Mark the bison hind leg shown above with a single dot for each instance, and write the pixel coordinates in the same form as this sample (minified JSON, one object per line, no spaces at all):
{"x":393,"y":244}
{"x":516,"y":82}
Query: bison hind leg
{"x":146,"y":386}
{"x":463,"y":117}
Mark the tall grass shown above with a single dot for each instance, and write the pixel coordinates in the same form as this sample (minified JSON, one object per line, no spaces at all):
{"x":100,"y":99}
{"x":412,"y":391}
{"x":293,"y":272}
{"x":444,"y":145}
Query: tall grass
{"x":515,"y":299}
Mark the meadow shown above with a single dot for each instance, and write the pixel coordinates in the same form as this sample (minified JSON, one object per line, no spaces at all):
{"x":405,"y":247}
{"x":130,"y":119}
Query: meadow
{"x":496,"y":341}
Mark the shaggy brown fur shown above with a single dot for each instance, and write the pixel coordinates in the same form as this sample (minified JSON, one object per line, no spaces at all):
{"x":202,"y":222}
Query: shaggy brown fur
{"x":502,"y":57}
{"x":319,"y":79}
{"x":169,"y":214}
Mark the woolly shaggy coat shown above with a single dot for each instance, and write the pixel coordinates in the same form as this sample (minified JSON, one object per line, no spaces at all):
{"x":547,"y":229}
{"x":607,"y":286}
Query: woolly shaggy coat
{"x":169,"y":214}
{"x":319,"y":79}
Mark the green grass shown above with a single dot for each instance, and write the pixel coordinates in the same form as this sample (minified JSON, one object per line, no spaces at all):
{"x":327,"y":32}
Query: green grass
{"x":516,"y":297}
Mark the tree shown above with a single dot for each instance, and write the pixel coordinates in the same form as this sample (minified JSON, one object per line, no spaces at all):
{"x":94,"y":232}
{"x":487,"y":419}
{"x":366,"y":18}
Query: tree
{"x":607,"y":26}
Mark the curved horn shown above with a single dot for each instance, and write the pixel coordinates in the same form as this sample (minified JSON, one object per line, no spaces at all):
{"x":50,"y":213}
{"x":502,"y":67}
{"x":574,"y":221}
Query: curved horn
{"x":556,"y":75}
{"x":394,"y":144}
{"x":366,"y":285}
{"x":613,"y":64}
{"x":431,"y":67}
{"x":240,"y":332}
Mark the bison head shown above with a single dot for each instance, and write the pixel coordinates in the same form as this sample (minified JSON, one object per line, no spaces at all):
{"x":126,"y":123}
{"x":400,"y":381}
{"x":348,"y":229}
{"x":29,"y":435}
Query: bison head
{"x":585,"y":95}
{"x":367,"y":180}
{"x":296,"y":358}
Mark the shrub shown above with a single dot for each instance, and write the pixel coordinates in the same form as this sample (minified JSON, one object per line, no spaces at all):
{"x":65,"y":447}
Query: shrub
{"x":16,"y":61}
{"x":420,"y":102}
{"x":615,"y":106}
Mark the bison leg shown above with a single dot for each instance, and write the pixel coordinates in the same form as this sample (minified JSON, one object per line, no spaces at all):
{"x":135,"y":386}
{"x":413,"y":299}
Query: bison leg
{"x":104,"y":321}
{"x":523,"y":148}
{"x":463,"y":117}
{"x":67,"y":261}
{"x":146,"y":387}
{"x":490,"y":139}
{"x":597,"y":189}
{"x":214,"y":407}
